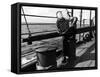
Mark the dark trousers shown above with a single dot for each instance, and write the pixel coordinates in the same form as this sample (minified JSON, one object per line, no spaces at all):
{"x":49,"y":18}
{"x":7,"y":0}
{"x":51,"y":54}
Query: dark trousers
{"x":69,"y":44}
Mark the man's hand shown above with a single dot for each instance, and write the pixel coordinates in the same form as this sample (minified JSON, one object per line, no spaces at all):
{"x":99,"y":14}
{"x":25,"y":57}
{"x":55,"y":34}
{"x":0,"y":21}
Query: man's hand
{"x":75,"y":19}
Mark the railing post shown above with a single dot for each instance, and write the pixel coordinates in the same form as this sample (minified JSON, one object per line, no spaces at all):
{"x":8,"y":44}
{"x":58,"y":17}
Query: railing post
{"x":91,"y":25}
{"x":72,"y":12}
{"x":80,"y":24}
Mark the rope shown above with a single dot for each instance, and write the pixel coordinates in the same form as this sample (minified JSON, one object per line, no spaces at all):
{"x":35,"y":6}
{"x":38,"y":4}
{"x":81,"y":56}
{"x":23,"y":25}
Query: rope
{"x":26,"y":22}
{"x":38,"y":16}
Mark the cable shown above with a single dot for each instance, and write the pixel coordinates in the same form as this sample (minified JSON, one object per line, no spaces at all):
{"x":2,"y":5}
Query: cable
{"x":38,"y":16}
{"x":26,"y":23}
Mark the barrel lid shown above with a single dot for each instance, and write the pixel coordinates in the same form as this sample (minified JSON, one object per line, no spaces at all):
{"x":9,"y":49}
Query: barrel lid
{"x":45,"y":48}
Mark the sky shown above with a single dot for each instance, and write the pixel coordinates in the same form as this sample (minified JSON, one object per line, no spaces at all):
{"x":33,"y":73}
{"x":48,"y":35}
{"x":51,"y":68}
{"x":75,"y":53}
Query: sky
{"x":45,"y":11}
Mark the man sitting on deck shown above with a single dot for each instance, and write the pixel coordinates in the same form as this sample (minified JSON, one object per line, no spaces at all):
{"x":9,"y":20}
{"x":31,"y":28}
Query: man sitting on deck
{"x":68,"y":32}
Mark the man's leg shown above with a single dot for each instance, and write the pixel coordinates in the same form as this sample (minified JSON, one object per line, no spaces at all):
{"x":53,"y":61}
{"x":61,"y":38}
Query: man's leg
{"x":65,"y":50}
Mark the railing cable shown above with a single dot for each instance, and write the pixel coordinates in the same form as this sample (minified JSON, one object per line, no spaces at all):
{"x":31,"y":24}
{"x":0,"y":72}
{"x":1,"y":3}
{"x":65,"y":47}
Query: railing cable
{"x":26,"y":23}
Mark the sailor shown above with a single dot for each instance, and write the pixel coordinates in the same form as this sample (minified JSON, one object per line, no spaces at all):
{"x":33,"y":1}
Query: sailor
{"x":67,"y":27}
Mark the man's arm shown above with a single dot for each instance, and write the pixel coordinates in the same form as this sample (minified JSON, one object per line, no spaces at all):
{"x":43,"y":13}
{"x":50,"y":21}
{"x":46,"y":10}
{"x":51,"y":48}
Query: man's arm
{"x":72,"y":24}
{"x":74,"y":20}
{"x":58,"y":30}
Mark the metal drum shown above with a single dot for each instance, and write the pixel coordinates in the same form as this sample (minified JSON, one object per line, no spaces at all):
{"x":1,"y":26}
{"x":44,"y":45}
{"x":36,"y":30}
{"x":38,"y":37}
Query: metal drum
{"x":46,"y":56}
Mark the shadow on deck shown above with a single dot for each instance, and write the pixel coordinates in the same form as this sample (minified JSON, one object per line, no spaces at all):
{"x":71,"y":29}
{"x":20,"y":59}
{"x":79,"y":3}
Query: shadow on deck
{"x":85,"y":60}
